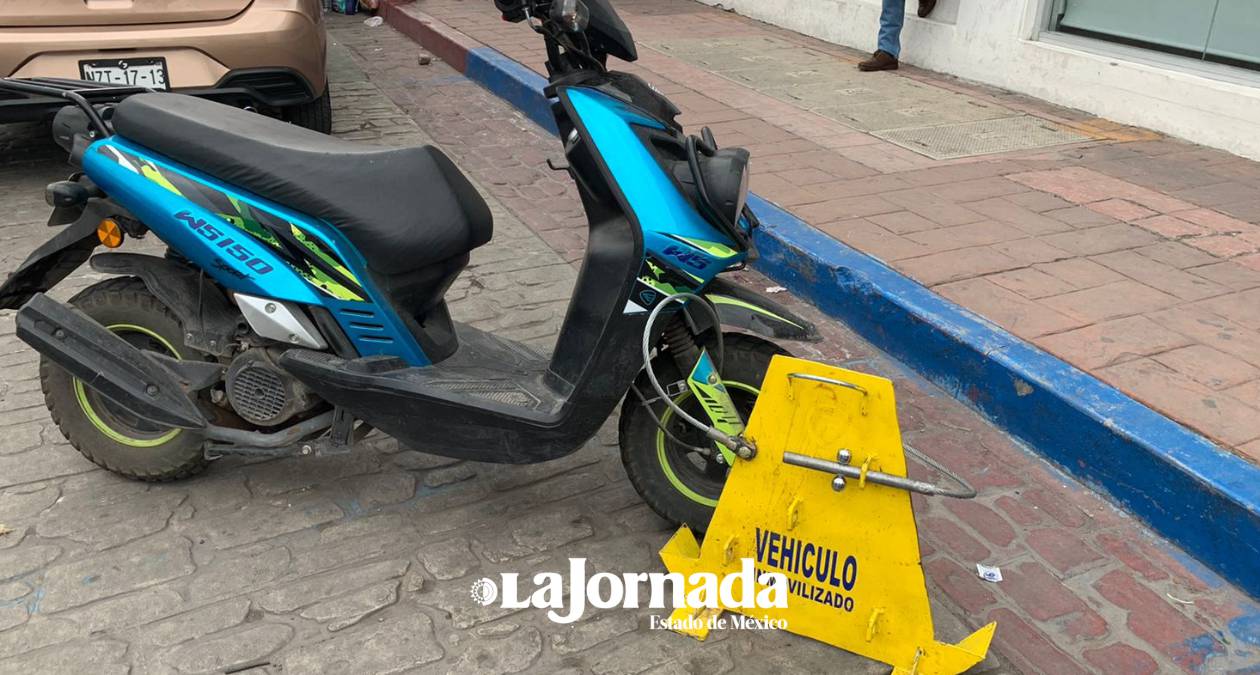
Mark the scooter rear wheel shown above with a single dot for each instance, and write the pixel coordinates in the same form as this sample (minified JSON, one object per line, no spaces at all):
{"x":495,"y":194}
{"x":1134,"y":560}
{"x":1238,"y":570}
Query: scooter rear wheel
{"x":680,"y":484}
{"x":103,"y":431}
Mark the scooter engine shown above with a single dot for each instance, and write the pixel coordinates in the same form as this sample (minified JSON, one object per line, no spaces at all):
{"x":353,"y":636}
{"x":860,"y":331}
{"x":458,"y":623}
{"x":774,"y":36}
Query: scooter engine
{"x":263,"y":393}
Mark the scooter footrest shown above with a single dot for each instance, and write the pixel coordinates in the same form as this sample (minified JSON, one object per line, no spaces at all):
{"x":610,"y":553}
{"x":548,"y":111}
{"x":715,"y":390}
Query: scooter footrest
{"x":499,"y":392}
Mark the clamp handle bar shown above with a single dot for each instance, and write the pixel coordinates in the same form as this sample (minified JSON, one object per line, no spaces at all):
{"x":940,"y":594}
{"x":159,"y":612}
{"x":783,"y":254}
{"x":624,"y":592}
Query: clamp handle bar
{"x":828,"y":380}
{"x":842,"y":470}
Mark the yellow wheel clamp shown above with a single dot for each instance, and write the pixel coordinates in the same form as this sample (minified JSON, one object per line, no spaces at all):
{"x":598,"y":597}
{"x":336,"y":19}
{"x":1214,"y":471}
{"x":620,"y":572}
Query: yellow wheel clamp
{"x":825,"y":501}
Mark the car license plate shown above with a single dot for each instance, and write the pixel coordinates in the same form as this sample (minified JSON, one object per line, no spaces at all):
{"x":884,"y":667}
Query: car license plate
{"x":143,"y":72}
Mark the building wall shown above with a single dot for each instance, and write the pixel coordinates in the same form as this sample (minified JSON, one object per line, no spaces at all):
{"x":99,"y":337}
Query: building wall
{"x":997,"y":42}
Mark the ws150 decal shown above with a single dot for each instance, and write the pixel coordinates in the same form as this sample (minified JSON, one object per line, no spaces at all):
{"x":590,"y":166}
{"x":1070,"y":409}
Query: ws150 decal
{"x":305,"y":253}
{"x":690,"y":258}
{"x":228,"y":244}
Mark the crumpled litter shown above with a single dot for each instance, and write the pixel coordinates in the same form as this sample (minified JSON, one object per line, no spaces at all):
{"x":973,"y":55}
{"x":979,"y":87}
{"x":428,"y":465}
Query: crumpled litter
{"x":990,"y":574}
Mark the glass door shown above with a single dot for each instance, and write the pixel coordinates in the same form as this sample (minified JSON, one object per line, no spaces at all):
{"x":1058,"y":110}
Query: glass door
{"x":1235,"y":35}
{"x":1226,"y":31}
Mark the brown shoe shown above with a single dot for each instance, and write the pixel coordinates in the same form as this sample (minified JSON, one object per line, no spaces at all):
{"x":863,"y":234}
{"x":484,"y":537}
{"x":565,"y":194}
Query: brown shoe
{"x":926,"y":7}
{"x":881,"y":60}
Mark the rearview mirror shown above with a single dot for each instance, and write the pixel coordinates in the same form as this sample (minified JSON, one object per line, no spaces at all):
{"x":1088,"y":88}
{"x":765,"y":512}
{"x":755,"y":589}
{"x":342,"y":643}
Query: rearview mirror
{"x":570,"y":15}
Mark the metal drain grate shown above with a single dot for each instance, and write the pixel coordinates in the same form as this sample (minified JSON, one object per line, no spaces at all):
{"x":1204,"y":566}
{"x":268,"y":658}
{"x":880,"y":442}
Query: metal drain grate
{"x":951,"y":141}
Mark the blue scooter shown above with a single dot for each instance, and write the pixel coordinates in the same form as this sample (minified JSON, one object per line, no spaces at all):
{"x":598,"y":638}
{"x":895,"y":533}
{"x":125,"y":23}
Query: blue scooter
{"x":300,"y":301}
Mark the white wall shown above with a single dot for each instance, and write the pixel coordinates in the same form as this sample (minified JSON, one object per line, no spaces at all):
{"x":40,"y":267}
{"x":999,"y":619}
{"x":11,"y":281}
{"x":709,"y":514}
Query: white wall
{"x":992,"y":41}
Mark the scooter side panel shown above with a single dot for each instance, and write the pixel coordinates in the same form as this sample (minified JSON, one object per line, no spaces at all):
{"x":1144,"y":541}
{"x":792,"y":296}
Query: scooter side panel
{"x":682,"y":250}
{"x":232,"y":236}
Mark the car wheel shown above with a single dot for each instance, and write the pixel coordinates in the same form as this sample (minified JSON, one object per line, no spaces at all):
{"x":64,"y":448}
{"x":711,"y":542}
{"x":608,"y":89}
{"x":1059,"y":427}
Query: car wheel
{"x":316,"y":115}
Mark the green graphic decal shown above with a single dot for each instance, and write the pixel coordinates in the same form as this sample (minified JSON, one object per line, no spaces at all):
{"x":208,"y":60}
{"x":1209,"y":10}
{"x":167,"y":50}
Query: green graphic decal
{"x":736,"y":302}
{"x":706,"y":384}
{"x":320,"y":278}
{"x":667,"y":289}
{"x":658,"y":280}
{"x":152,"y":173}
{"x":713,"y":248}
{"x":663,"y":457}
{"x":259,"y":224}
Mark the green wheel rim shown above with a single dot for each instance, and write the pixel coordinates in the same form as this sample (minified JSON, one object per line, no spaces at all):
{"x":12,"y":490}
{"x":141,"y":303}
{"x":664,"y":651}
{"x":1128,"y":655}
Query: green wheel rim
{"x":80,"y":393}
{"x":664,"y":459}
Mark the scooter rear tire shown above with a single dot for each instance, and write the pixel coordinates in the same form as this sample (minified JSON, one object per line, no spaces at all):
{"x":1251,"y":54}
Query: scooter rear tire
{"x":679,"y":486}
{"x":103,"y":432}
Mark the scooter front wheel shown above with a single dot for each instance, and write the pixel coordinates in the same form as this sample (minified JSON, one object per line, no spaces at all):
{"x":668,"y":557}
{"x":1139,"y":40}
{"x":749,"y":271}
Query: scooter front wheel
{"x":676,"y":470}
{"x":103,"y":431}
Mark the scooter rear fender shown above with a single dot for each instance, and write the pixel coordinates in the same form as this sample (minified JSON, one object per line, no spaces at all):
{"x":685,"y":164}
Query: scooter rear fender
{"x":107,"y":363}
{"x":56,"y":258}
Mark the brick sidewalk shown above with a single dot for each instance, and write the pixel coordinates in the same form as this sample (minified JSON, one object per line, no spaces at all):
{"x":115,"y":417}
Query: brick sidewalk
{"x":1134,"y":258}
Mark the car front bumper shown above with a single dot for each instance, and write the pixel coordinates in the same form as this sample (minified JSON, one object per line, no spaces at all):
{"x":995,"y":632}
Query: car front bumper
{"x":270,"y":54}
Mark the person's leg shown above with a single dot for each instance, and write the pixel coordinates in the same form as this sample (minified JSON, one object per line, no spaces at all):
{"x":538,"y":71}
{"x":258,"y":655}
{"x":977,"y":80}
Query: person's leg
{"x":891,"y":19}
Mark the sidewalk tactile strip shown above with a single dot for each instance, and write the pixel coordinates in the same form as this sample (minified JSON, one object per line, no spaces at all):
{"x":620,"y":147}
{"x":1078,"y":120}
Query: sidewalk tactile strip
{"x":984,"y":137}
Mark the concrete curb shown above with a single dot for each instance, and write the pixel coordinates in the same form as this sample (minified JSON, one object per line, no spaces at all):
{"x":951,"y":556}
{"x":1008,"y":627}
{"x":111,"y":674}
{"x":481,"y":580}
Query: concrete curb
{"x":449,"y":45}
{"x":1203,"y":498}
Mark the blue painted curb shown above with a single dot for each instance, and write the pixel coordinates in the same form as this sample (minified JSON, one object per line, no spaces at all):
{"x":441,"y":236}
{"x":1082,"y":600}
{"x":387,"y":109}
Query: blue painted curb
{"x":512,"y":82}
{"x":1201,"y":497}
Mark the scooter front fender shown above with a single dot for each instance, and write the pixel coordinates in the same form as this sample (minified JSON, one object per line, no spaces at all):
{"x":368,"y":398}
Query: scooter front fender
{"x":738,"y":307}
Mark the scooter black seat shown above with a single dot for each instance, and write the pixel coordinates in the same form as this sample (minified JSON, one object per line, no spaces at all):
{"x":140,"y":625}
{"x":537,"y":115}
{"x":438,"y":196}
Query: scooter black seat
{"x":404,"y":208}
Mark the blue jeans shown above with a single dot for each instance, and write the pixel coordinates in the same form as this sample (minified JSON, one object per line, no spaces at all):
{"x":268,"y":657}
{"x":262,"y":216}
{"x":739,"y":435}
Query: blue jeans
{"x":891,"y":20}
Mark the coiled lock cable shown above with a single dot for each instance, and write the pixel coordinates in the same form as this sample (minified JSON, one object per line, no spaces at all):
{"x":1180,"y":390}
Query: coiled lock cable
{"x":740,"y":446}
{"x":746,"y":450}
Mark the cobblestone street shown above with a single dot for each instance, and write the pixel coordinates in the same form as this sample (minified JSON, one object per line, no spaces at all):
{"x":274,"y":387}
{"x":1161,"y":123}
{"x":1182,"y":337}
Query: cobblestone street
{"x":363,"y":563}
{"x":355,"y":564}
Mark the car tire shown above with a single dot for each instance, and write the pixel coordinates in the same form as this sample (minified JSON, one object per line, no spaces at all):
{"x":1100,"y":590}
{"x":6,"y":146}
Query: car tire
{"x":316,"y":115}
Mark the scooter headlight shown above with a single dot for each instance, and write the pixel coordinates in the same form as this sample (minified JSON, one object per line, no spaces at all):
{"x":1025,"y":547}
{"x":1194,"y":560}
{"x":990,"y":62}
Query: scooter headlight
{"x":725,"y":175}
